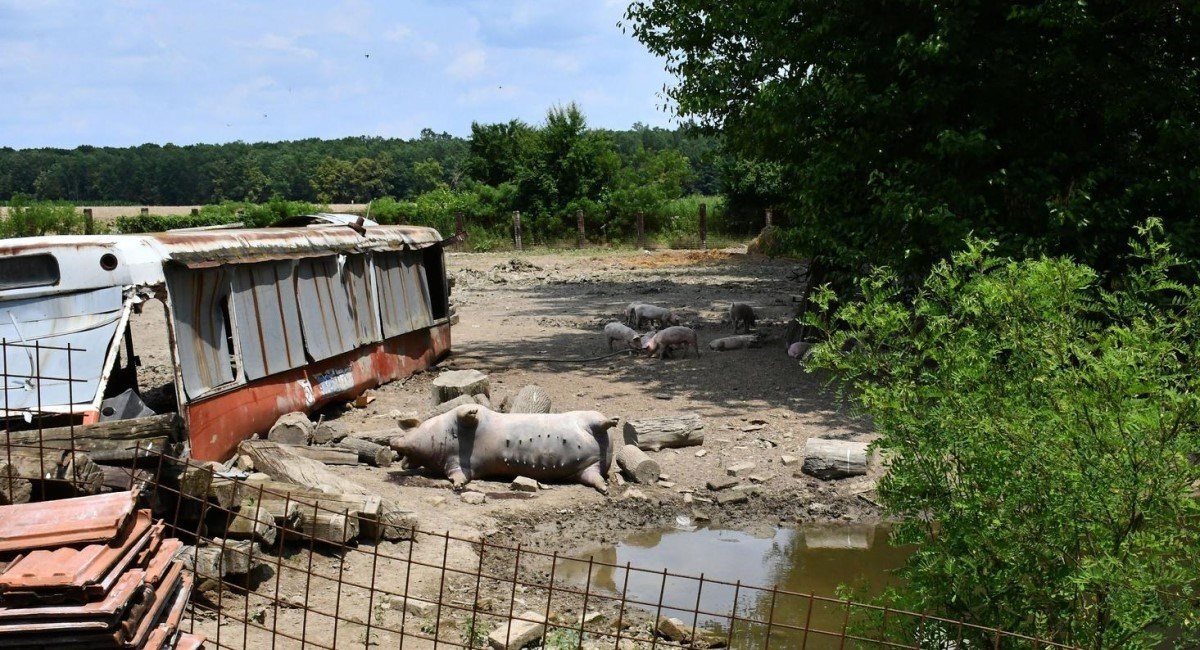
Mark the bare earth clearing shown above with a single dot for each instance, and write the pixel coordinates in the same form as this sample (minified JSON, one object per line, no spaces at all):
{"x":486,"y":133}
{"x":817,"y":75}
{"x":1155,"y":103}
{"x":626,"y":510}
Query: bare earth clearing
{"x":518,"y":311}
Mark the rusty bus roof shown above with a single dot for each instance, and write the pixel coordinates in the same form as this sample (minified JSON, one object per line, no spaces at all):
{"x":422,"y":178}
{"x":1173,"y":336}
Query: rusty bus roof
{"x":93,"y":261}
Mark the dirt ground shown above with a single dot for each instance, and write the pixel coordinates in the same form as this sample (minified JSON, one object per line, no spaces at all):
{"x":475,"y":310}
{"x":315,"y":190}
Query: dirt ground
{"x":519,"y":311}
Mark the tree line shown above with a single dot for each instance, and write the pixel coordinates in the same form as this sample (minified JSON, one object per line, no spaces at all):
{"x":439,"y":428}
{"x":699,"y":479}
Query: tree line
{"x":547,"y":171}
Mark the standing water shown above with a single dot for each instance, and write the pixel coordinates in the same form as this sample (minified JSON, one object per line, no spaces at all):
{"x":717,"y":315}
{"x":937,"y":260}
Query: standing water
{"x":742,"y":569}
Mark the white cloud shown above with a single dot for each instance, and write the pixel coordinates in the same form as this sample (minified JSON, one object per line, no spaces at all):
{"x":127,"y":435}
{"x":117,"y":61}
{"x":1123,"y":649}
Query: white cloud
{"x":398,"y":33}
{"x":283,"y":45}
{"x":468,"y":65}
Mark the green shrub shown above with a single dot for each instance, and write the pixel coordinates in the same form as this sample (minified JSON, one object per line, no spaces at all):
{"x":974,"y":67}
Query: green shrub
{"x":1037,"y":428}
{"x":28,"y":218}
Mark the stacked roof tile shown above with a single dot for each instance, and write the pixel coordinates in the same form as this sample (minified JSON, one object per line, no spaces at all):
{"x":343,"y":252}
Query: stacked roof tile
{"x":90,"y":572}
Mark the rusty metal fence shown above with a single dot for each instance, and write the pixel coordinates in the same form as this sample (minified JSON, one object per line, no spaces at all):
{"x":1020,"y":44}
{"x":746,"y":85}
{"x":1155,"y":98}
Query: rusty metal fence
{"x":279,"y":569}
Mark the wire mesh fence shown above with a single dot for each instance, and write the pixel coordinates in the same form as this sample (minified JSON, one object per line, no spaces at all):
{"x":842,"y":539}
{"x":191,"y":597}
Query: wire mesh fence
{"x":279,"y":566}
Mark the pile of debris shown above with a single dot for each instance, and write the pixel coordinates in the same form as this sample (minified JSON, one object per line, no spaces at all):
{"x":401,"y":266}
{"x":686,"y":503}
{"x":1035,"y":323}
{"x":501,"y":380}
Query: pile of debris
{"x":90,"y":572}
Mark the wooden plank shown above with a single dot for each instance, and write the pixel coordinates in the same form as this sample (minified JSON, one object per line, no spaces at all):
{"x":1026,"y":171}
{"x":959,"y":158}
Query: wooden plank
{"x":326,"y":455}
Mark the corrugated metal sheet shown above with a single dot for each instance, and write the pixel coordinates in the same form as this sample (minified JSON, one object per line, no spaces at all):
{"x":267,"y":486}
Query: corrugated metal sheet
{"x":403,"y":292}
{"x":82,"y":520}
{"x":199,"y":306}
{"x":356,"y":274}
{"x":268,"y":321}
{"x":87,"y":321}
{"x":324,"y":308}
{"x":234,"y":246}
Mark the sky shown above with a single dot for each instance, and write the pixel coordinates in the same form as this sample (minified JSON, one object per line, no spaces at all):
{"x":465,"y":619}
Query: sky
{"x":127,"y":72}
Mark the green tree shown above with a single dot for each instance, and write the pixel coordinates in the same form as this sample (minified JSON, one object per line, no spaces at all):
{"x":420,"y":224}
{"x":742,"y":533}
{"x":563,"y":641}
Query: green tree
{"x":900,"y":127}
{"x":1037,"y":430}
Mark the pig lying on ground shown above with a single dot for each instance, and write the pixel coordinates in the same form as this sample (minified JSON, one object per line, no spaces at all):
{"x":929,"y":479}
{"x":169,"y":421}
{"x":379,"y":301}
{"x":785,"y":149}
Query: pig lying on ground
{"x":672,"y":337}
{"x":741,"y":314}
{"x":653,"y":314}
{"x":473,"y":442}
{"x":736,"y":342}
{"x":615,"y":331}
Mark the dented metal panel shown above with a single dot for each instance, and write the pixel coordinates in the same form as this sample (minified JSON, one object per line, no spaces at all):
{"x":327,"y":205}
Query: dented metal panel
{"x":199,"y":307}
{"x":86,"y":321}
{"x":268,"y":320}
{"x":356,"y":274}
{"x":404,"y":302}
{"x":325,"y":313}
{"x":211,"y":248}
{"x":81,"y":520}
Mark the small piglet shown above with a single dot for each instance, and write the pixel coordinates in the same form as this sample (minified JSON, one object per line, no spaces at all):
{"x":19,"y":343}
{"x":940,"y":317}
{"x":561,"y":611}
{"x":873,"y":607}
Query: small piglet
{"x":741,"y":314}
{"x":672,"y":337}
{"x":653,"y":314}
{"x":615,"y":331}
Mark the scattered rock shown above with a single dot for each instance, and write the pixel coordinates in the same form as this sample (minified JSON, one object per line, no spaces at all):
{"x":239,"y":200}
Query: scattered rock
{"x":518,"y":632}
{"x":731,"y":497}
{"x":739,"y":468}
{"x":524,"y":484}
{"x":474,"y":498}
{"x":702,"y":453}
{"x":788,"y":460}
{"x":721,"y":483}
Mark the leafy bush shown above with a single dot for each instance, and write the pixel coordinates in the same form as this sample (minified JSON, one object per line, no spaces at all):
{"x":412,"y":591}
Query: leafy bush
{"x":1037,"y":429}
{"x":29,"y":218}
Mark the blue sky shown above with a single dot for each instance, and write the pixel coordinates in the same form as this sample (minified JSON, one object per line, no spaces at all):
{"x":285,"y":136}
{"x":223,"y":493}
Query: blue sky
{"x":128,"y":72}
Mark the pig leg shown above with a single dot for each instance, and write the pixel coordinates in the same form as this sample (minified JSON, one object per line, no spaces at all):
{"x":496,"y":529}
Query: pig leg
{"x":457,"y":478}
{"x":591,"y":477}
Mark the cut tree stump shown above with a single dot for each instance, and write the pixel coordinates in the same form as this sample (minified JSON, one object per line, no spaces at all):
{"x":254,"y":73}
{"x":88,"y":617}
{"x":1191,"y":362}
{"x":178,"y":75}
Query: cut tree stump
{"x":832,"y":459}
{"x":220,"y":558}
{"x":392,"y":523}
{"x":531,"y":399}
{"x":673,"y":430}
{"x":368,"y":452}
{"x":449,"y":385}
{"x":637,"y":465}
{"x":292,"y":429}
{"x":449,"y":405}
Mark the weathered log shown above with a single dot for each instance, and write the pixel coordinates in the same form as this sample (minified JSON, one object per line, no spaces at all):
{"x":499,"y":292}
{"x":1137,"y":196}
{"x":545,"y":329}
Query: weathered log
{"x":325,"y":432}
{"x":13,"y":488}
{"x":674,"y":430}
{"x":531,"y":399}
{"x":831,"y":459}
{"x":252,"y":523}
{"x":121,"y":478}
{"x":220,"y":558}
{"x":77,"y":470}
{"x":449,"y":385}
{"x":292,"y":429}
{"x":328,"y":517}
{"x":279,"y":463}
{"x":109,"y":441}
{"x":637,"y":465}
{"x":326,"y":455}
{"x":368,"y":452}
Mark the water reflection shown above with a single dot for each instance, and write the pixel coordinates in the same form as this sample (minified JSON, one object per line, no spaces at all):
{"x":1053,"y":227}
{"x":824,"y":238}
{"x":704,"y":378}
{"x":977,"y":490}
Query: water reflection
{"x":680,"y":573}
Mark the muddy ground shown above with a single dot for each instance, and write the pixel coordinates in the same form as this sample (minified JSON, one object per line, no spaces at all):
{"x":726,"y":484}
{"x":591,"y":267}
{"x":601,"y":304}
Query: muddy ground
{"x":516,"y":313}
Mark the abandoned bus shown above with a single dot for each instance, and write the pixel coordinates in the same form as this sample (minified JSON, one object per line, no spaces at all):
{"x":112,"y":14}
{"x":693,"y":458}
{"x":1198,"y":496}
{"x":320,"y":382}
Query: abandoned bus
{"x":259,"y":323}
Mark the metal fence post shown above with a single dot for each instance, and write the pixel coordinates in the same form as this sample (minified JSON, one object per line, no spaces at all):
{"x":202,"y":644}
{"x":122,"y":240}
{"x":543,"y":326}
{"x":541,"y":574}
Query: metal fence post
{"x":579,"y":234}
{"x":517,"y":228}
{"x":641,"y":229}
{"x":703,"y":226}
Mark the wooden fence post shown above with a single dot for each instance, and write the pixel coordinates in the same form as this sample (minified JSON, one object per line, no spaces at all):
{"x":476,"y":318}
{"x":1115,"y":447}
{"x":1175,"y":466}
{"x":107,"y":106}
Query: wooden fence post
{"x":579,"y":234}
{"x":703,"y":226}
{"x":89,"y":224}
{"x":145,"y":212}
{"x":768,"y":218}
{"x":195,"y":212}
{"x":460,"y":225}
{"x":641,"y":230}
{"x":517,"y":228}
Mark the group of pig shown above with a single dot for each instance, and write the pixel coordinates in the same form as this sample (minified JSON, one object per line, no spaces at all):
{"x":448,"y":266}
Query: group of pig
{"x":667,"y":333}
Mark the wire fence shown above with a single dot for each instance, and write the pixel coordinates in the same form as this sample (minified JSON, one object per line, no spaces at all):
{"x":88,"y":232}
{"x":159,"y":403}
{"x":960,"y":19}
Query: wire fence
{"x":280,"y":566}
